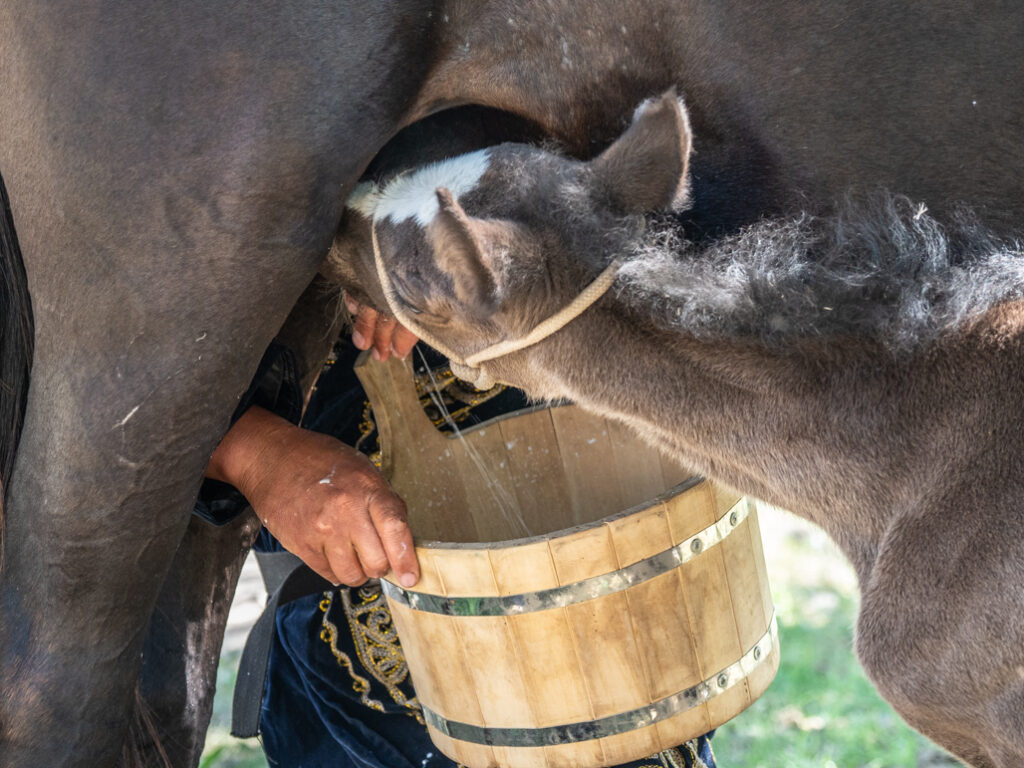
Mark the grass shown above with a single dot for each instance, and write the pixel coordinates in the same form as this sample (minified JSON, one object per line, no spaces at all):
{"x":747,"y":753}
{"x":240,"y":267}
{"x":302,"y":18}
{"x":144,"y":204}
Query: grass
{"x":821,"y":711}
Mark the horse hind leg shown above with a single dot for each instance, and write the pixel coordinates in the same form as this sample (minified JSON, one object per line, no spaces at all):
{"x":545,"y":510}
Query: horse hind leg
{"x":1007,"y":713}
{"x":993,"y":750}
{"x":955,"y":725}
{"x":143,"y":748}
{"x":939,"y":631}
{"x":174,"y":700}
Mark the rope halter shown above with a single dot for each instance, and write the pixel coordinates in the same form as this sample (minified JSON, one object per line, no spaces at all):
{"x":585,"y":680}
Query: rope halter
{"x":470,"y":368}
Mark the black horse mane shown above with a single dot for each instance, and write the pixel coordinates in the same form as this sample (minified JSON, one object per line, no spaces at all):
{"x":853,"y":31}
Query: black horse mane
{"x":882,"y":268}
{"x":16,"y":341}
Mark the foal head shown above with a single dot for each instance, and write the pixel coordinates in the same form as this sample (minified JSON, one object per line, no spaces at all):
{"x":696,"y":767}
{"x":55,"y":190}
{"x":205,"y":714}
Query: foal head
{"x":481,"y":248}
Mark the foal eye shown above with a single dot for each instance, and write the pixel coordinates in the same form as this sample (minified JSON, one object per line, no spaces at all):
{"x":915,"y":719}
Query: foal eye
{"x":401,"y":291}
{"x":407,"y":305}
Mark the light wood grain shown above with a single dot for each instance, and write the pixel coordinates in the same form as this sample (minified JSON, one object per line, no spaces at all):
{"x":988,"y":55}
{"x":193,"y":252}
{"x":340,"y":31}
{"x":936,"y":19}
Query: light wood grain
{"x":637,"y":464}
{"x":592,"y":482}
{"x":757,"y":552}
{"x":533,"y":452}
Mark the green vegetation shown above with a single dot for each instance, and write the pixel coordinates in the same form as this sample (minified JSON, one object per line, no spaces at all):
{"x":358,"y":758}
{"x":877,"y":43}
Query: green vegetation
{"x":821,"y":712}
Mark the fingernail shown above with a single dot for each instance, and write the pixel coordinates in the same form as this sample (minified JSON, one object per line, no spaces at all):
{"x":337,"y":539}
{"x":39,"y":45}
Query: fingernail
{"x":351,"y":304}
{"x":408,"y":579}
{"x":377,"y":355}
{"x":358,"y":339}
{"x":396,"y":353}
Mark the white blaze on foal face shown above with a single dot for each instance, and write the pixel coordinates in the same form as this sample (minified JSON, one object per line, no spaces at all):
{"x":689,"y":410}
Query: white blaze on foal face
{"x":413,"y":195}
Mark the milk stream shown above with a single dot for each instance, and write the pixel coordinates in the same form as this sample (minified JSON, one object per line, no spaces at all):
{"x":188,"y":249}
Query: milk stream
{"x":504,"y":500}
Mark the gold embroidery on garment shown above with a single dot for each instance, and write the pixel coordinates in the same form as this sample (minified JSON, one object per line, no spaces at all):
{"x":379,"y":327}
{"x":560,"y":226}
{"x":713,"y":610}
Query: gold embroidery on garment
{"x":673,"y":758}
{"x":445,"y":400}
{"x":376,"y":644}
{"x":329,"y":634}
{"x":448,"y":401}
{"x":376,"y":641}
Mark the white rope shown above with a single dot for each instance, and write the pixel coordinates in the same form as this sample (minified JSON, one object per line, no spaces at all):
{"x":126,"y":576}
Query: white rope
{"x":471,"y":365}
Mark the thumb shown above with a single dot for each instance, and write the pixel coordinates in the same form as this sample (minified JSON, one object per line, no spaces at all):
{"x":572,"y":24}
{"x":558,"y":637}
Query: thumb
{"x":389,"y":517}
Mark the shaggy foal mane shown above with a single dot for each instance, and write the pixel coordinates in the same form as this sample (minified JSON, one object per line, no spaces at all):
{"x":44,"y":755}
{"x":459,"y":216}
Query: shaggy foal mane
{"x":882,"y":269}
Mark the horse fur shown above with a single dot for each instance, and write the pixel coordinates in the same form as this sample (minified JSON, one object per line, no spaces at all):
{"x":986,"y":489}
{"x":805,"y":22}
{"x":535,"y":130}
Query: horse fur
{"x":883,"y":269}
{"x":862,"y":370}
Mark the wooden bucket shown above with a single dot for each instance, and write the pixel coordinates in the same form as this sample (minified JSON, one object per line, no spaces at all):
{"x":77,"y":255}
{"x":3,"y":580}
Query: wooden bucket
{"x":635,"y":617}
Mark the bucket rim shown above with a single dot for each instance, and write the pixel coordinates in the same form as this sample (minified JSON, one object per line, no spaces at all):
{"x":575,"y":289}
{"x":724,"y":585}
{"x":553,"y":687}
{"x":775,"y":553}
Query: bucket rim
{"x":467,"y":546}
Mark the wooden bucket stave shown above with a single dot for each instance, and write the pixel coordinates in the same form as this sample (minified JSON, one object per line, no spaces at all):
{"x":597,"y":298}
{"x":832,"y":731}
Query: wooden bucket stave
{"x":593,"y":645}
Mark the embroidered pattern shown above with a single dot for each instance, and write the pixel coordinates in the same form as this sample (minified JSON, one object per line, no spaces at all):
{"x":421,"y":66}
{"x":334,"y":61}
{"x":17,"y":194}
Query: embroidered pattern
{"x":674,"y":758}
{"x":446,"y":401}
{"x":376,"y":644}
{"x":329,"y":634}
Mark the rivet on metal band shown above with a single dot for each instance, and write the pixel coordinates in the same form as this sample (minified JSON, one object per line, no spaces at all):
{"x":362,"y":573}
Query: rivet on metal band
{"x":613,"y":724}
{"x":577,"y":592}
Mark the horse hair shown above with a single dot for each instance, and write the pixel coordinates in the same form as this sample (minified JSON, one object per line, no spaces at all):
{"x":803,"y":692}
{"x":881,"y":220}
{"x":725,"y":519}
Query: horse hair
{"x":882,"y":269}
{"x":16,"y":342}
{"x":142,"y":747}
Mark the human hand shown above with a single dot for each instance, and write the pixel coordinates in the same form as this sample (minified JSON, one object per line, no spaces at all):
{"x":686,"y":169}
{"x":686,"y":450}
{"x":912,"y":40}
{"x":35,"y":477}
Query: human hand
{"x":324,"y":501}
{"x":379,"y":331}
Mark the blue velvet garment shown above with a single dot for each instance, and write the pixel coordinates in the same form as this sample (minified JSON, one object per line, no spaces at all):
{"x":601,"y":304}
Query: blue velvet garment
{"x":338,"y":691}
{"x":323,"y":710}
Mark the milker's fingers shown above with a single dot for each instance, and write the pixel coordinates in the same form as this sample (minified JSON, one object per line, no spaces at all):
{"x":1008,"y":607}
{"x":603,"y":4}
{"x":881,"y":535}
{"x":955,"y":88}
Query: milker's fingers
{"x":365,"y":323}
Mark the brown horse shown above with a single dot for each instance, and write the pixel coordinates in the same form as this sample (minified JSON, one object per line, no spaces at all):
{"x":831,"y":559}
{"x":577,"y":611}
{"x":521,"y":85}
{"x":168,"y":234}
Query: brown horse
{"x":863,"y":371}
{"x":176,"y":173}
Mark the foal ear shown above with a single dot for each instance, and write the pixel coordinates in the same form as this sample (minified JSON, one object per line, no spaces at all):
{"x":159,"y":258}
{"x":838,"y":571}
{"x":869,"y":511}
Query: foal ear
{"x":646,"y":168}
{"x":462,"y":247}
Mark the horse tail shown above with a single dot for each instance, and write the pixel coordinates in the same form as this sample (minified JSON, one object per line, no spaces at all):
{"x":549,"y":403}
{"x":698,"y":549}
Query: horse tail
{"x":142,"y":747}
{"x":16,"y":341}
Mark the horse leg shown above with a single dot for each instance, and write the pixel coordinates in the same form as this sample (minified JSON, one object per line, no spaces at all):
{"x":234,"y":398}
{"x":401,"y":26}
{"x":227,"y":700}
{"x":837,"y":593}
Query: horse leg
{"x":136,"y":372}
{"x":939,"y":631}
{"x":108,"y":466}
{"x":93,"y":521}
{"x":183,"y":643}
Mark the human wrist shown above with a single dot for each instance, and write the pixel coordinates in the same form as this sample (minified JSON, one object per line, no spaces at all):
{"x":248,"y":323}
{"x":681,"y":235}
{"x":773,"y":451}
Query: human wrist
{"x":245,"y":449}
